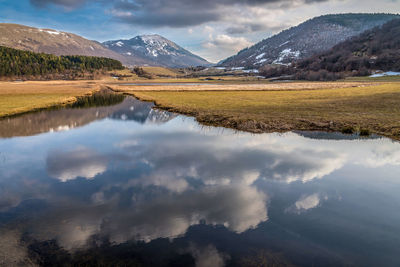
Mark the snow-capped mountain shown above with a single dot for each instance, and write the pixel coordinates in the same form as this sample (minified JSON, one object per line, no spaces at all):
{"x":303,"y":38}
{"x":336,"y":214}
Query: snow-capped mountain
{"x":154,"y":50}
{"x":307,"y":39}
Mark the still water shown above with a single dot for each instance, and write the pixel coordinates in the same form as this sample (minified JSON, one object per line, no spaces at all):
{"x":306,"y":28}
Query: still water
{"x":126,"y":185}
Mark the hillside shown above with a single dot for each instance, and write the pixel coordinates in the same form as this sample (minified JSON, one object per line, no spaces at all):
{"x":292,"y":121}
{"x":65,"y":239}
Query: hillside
{"x":19,"y":63}
{"x":307,"y":39}
{"x":51,"y":42}
{"x":376,"y":49}
{"x":154,"y":50}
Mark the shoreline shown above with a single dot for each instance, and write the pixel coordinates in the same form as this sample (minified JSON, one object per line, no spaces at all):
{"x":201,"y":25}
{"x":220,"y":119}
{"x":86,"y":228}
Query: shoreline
{"x":256,"y":122}
{"x":258,"y":127}
{"x":280,"y":125}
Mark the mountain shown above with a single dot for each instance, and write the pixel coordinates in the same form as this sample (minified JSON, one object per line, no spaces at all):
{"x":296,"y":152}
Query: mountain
{"x":373,"y":50}
{"x":155,"y":50}
{"x":51,"y":42}
{"x":307,"y":39}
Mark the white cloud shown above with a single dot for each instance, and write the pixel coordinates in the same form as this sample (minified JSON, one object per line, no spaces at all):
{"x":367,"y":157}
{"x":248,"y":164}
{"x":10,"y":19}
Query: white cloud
{"x":81,"y":162}
{"x":223,"y":45}
{"x":307,"y":202}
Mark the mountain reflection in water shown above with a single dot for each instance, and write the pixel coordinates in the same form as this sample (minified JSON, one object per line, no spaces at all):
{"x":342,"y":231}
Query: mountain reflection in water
{"x":141,"y":187}
{"x":87,"y":110}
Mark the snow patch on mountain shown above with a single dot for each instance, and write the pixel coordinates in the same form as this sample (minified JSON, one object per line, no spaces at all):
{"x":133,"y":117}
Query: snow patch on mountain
{"x":261,"y":61}
{"x":260,"y":56}
{"x":287,"y":54}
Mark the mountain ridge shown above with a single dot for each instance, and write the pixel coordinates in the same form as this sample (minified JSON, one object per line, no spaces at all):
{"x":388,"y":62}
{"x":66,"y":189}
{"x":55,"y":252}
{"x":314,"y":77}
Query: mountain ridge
{"x":154,"y":49}
{"x":51,"y":41}
{"x":374,"y":50}
{"x":306,"y":39}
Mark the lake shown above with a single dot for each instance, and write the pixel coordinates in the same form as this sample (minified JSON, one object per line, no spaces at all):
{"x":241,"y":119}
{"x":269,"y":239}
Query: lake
{"x":122,"y":184}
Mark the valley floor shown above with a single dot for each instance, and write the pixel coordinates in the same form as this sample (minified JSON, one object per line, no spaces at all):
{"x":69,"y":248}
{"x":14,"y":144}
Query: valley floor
{"x":284,"y":107}
{"x":264,"y":107}
{"x":21,"y":97}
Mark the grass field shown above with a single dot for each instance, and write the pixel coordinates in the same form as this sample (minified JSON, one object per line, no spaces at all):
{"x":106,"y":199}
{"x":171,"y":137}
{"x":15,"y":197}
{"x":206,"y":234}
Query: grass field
{"x":18,"y":97}
{"x":255,"y":107}
{"x":375,"y":108}
{"x":236,"y":86}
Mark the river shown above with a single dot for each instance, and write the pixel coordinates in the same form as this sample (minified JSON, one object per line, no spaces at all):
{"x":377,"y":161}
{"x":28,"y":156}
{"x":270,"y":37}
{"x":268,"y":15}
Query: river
{"x":123,"y":184}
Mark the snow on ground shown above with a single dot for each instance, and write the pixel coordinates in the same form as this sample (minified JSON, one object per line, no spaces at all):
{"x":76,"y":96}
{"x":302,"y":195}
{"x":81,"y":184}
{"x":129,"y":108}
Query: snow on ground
{"x":260,"y":56}
{"x":119,"y":43}
{"x":50,"y":31}
{"x":251,"y":71}
{"x":261,"y":61}
{"x":129,"y":53}
{"x":284,"y":43}
{"x":383,"y":74}
{"x":287,"y":53}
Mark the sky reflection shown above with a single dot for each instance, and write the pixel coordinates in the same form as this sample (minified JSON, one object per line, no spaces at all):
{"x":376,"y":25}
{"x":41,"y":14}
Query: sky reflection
{"x":152,"y":175}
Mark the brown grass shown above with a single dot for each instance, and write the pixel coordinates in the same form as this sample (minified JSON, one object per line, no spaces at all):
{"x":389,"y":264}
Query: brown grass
{"x":256,"y":86}
{"x":374,"y":107}
{"x":20,"y":97}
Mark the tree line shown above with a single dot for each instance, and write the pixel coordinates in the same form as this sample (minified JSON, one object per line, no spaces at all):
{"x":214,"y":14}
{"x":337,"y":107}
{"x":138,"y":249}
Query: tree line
{"x":19,"y":63}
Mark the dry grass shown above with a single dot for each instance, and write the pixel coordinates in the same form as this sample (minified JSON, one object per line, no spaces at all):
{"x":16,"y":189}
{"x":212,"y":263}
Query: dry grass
{"x":160,"y":71}
{"x":256,"y":86}
{"x":20,"y":97}
{"x":374,"y":107}
{"x":253,"y":107}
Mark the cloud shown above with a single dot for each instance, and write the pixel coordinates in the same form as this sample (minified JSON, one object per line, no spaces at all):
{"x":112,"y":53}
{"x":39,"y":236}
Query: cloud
{"x":175,"y":13}
{"x":208,"y":256}
{"x":239,"y":208}
{"x":165,"y":215}
{"x":64,"y":3}
{"x":307,"y":202}
{"x":12,"y":251}
{"x":81,"y":162}
{"x":215,"y":163}
{"x":183,"y":13}
{"x":223,"y":46}
{"x":223,"y":41}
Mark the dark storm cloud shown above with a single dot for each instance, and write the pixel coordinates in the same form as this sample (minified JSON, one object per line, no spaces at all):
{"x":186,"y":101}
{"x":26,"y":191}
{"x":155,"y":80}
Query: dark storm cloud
{"x":172,"y":13}
{"x":65,"y":3}
{"x":182,"y":13}
{"x":253,"y":27}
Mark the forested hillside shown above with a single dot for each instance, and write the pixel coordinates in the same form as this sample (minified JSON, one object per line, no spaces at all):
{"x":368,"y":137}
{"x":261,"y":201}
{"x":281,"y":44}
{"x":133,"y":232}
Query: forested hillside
{"x":18,"y":63}
{"x":373,"y":50}
{"x":307,"y":39}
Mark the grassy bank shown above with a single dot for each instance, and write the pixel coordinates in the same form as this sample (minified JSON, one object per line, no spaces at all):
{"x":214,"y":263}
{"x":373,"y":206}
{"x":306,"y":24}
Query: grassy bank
{"x":16,"y":98}
{"x":373,"y":108}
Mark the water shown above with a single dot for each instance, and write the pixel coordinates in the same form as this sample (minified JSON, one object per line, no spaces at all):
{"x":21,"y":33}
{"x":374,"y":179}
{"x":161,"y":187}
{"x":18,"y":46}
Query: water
{"x":124,"y":184}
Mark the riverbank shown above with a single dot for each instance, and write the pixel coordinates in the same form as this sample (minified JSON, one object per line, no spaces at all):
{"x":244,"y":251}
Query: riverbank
{"x":21,"y":97}
{"x":369,"y":109}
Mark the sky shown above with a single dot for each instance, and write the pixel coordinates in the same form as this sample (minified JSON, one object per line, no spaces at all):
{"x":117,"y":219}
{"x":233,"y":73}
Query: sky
{"x":213,"y":29}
